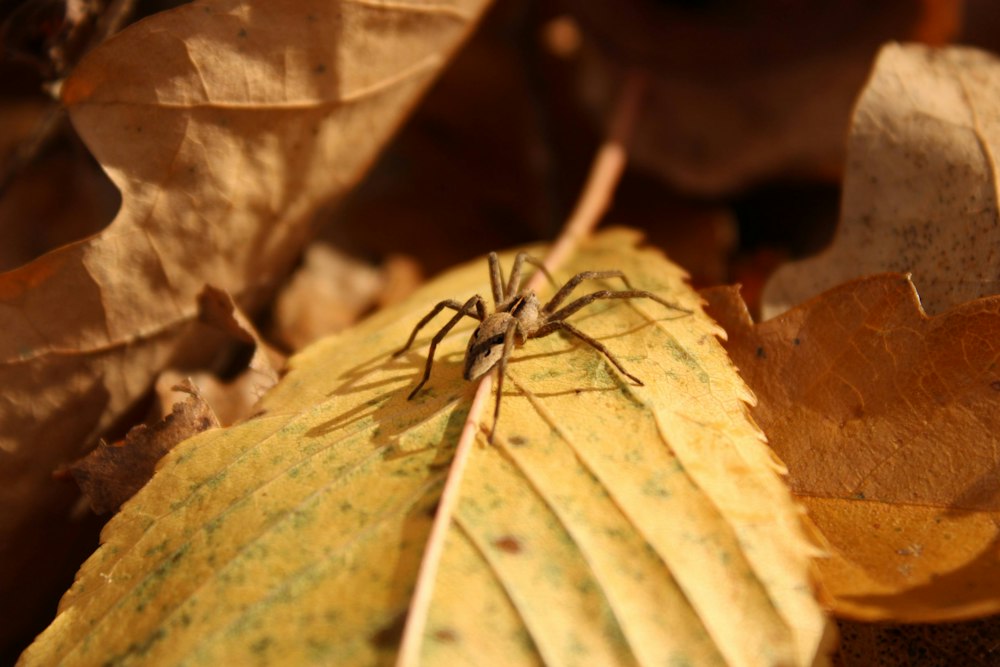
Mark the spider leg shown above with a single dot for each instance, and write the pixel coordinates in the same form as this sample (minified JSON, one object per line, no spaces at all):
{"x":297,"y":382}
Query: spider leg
{"x":476,"y":301}
{"x":583,"y":301}
{"x":572,"y":283}
{"x":508,"y":347}
{"x":496,"y":279}
{"x":597,"y":345}
{"x":514,"y":286}
{"x":447,"y":303}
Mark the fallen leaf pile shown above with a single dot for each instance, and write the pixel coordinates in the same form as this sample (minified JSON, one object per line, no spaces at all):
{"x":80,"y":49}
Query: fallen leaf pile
{"x":184,"y":202}
{"x":224,"y":124}
{"x":298,"y":535}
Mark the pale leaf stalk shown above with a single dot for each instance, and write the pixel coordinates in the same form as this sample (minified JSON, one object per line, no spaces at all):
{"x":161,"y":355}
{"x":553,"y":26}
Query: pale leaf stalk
{"x":594,"y":201}
{"x":605,"y":172}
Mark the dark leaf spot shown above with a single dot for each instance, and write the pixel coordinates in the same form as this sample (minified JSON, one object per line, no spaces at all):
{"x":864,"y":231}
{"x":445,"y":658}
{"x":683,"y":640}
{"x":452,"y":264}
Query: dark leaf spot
{"x":508,"y":544}
{"x":446,"y":635}
{"x":760,"y":353}
{"x":995,"y":385}
{"x":518,"y":440}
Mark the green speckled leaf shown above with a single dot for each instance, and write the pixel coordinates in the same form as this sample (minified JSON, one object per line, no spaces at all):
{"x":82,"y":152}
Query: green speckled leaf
{"x":608,"y":524}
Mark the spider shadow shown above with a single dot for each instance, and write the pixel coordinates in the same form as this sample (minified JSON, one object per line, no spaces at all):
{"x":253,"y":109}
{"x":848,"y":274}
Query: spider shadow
{"x":391,"y":413}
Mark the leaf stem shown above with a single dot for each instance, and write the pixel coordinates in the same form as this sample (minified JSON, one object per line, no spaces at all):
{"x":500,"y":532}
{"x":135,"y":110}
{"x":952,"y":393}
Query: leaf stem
{"x":594,"y":201}
{"x":602,"y":181}
{"x":416,"y":622}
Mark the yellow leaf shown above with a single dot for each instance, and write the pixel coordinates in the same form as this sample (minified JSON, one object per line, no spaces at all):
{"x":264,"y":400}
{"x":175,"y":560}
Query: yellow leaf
{"x":608,"y":524}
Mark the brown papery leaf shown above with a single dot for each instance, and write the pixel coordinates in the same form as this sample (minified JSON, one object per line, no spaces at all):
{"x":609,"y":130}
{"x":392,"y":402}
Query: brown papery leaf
{"x":230,"y":399}
{"x":920,"y":192}
{"x":225,"y":123}
{"x":887,"y":421}
{"x":111,"y":474}
{"x":332,"y":291}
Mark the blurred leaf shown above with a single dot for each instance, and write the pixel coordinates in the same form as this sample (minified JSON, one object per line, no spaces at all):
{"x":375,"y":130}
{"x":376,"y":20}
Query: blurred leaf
{"x":745,"y":91}
{"x":332,"y":291}
{"x":920,"y":192}
{"x":226,"y":124}
{"x":609,"y":524}
{"x":887,"y":420}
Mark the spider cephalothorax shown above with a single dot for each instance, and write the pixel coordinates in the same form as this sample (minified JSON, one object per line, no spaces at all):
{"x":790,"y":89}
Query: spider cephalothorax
{"x":518,"y":316}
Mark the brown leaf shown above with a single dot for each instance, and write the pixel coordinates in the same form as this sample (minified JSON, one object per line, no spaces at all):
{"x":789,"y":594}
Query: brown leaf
{"x":235,"y":399}
{"x":111,"y":474}
{"x":887,"y":421}
{"x":217,"y":308}
{"x":733,"y":101}
{"x":920,"y":192}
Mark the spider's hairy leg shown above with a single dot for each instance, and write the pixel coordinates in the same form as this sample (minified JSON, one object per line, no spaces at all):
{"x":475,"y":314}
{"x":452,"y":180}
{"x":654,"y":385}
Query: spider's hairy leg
{"x":514,"y":286}
{"x":508,"y":346}
{"x":572,"y":283}
{"x":496,"y":279}
{"x":584,"y":301}
{"x":480,"y":315}
{"x":559,"y":325}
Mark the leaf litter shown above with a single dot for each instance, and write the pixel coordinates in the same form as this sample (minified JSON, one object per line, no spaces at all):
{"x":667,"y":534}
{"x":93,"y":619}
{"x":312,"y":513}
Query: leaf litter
{"x":225,"y":124}
{"x":611,"y":522}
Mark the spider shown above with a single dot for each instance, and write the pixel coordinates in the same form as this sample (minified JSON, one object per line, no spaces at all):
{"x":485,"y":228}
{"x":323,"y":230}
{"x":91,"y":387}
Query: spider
{"x":519,"y":316}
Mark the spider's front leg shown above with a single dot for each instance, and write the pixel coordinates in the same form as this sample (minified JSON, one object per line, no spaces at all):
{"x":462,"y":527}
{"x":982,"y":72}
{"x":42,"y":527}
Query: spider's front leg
{"x":480,"y":314}
{"x":464,"y":310}
{"x":510,"y":336}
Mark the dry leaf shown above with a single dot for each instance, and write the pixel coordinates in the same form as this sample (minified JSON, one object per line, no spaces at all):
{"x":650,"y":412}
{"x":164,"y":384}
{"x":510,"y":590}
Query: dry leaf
{"x":331,"y":291}
{"x":234,"y":399}
{"x":610,"y":523}
{"x":225,"y":123}
{"x":111,"y":474}
{"x":920,"y":192}
{"x":742,"y":92}
{"x":217,"y":308}
{"x":887,"y":420}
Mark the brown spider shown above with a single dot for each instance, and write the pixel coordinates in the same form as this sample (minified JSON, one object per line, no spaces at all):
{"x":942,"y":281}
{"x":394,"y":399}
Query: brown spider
{"x":518,"y":316}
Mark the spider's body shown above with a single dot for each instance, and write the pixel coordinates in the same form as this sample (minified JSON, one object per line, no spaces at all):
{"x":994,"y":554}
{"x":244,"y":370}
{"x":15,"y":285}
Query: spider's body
{"x":486,"y":343}
{"x":519,"y":316}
